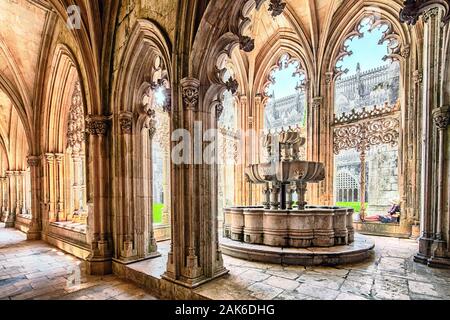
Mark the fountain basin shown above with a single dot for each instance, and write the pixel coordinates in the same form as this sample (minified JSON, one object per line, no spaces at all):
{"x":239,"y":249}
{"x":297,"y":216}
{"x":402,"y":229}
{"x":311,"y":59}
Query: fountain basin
{"x":315,"y":226}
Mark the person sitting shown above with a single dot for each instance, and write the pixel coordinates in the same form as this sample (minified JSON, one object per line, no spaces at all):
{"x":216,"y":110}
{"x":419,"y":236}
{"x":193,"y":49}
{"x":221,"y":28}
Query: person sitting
{"x":393,"y":214}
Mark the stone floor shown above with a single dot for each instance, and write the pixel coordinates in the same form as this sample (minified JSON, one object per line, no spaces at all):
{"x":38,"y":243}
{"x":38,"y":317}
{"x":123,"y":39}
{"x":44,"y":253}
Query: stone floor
{"x":36,"y":270}
{"x":390,"y":274}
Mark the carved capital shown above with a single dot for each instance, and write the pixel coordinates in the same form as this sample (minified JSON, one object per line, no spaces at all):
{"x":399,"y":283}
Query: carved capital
{"x":246,"y":43}
{"x":417,"y":76}
{"x":276,"y":7}
{"x":33,"y":161}
{"x":126,"y":122}
{"x":317,"y":102}
{"x":329,"y":77}
{"x":219,"y":110}
{"x":441,"y":117}
{"x":190,"y":92}
{"x":413,"y":9}
{"x":429,"y":14}
{"x":97,"y":125}
{"x":232,"y":85}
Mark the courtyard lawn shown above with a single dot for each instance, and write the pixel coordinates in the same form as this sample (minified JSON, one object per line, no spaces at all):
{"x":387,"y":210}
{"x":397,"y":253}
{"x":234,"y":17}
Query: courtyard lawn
{"x":355,"y":205}
{"x":157,"y":212}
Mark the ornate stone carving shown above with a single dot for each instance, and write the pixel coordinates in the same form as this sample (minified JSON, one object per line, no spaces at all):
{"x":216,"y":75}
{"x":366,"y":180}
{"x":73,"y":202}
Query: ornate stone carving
{"x":276,"y":7}
{"x":76,"y":122}
{"x":33,"y":161}
{"x":441,"y":117}
{"x":232,"y":85}
{"x":363,"y":113}
{"x":317,"y":102}
{"x":126,"y":122}
{"x":417,"y":76}
{"x":246,"y":43}
{"x":361,"y":136}
{"x":219,"y":110}
{"x":190,"y":92}
{"x":413,"y":9}
{"x":427,"y":15}
{"x":97,"y":125}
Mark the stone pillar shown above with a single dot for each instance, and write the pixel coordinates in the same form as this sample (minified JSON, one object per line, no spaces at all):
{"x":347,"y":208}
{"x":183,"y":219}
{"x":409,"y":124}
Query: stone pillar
{"x":77,"y":183}
{"x":34,"y":231}
{"x":274,"y":196}
{"x":51,"y":187}
{"x":100,"y":259}
{"x":19,"y":196}
{"x":432,"y":243}
{"x":59,"y":183}
{"x":11,"y":187}
{"x":194,"y":257}
{"x":441,"y":119}
{"x":3,"y":195}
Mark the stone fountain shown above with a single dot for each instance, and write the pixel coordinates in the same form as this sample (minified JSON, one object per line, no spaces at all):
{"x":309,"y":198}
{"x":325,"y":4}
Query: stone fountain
{"x":281,"y":224}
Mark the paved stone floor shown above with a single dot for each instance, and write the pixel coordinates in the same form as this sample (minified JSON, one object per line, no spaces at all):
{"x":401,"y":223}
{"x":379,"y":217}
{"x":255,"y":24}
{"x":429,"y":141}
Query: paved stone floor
{"x":36,"y":270}
{"x":390,"y":274}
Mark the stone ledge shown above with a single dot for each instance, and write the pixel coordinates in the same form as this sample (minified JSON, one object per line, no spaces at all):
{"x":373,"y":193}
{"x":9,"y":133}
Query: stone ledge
{"x":394,"y":230}
{"x":358,"y":251}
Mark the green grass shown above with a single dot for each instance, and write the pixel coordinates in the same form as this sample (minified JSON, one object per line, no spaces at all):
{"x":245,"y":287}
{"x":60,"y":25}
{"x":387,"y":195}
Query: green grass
{"x":355,"y":205}
{"x":157,"y":212}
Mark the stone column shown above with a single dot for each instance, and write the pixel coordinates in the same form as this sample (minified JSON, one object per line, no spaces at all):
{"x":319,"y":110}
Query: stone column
{"x":59,"y":175}
{"x":194,"y":257}
{"x":275,"y":196}
{"x":11,"y":187}
{"x":19,"y":196}
{"x":100,"y":259}
{"x":34,"y":231}
{"x":441,"y":119}
{"x":431,"y":82}
{"x":2,"y":198}
{"x":77,"y":196}
{"x":51,"y":187}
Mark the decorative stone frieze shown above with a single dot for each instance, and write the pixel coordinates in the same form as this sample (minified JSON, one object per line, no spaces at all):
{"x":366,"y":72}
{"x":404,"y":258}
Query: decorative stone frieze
{"x":413,"y":9}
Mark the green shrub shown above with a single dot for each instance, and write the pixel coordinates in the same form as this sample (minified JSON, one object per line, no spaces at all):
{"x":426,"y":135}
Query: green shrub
{"x":355,"y":205}
{"x":157,"y":212}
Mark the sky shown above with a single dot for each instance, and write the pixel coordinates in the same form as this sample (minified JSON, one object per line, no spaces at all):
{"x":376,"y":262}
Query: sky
{"x":366,"y":51}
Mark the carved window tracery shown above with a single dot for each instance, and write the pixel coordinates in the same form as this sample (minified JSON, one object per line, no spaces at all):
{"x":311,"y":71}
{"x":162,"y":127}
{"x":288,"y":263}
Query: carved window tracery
{"x":367,"y":107}
{"x":76,"y":138}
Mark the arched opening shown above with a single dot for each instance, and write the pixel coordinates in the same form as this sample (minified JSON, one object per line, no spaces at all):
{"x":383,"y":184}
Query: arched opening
{"x":367,"y":119}
{"x":65,"y":149}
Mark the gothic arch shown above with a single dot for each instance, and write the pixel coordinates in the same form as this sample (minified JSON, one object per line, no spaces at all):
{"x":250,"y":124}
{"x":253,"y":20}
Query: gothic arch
{"x":145,"y":66}
{"x":58,"y":92}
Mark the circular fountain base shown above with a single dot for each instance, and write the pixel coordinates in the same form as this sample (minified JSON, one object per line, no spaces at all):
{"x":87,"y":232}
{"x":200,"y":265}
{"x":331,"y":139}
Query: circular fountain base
{"x":360,"y":250}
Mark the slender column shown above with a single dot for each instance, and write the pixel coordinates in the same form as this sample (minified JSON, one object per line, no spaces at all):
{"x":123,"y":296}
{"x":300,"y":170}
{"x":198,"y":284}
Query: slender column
{"x":266,"y":195}
{"x":289,"y":194}
{"x":2,"y":197}
{"x":50,"y":159}
{"x":441,"y":118}
{"x":59,"y":174}
{"x":363,"y":183}
{"x":301,"y":191}
{"x":19,"y":199}
{"x":11,"y":217}
{"x":77,"y":198}
{"x":274,"y":196}
{"x":34,"y":231}
{"x":100,"y":259}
